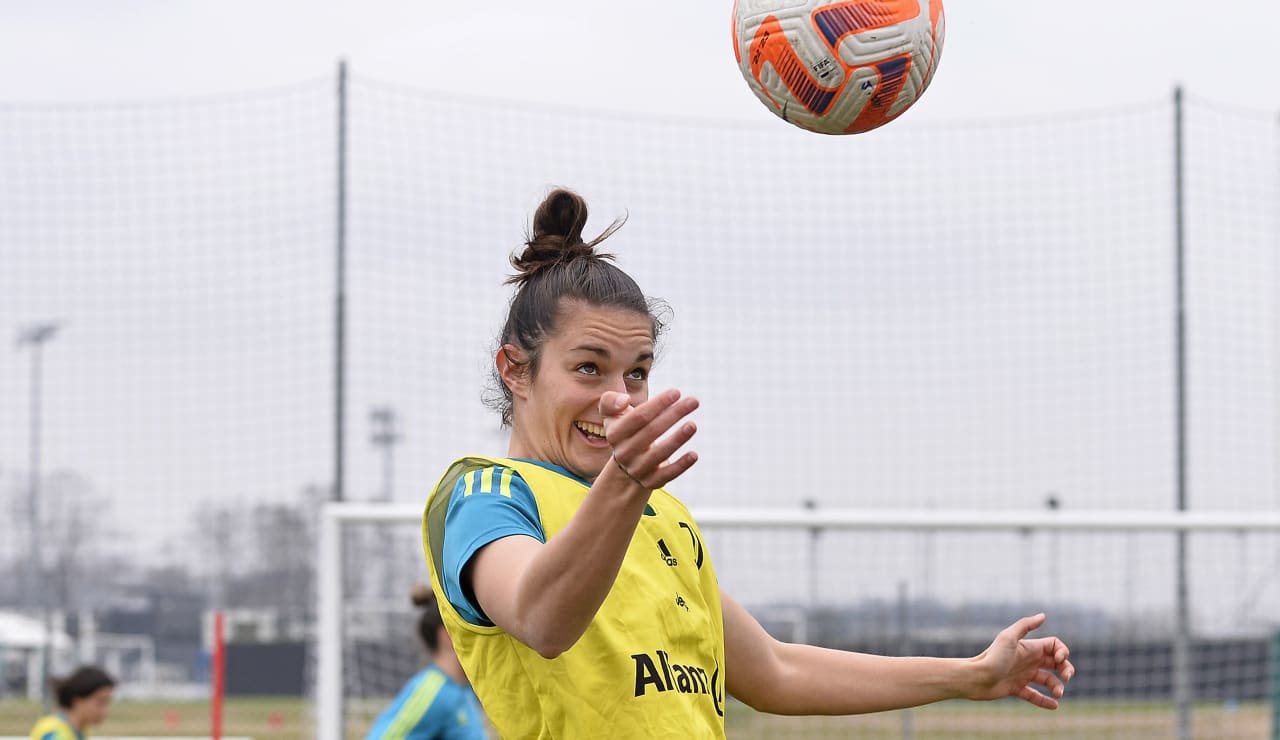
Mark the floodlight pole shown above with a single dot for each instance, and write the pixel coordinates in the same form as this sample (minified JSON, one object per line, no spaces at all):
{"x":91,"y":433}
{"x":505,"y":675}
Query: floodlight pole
{"x":34,"y":336}
{"x":385,"y":435}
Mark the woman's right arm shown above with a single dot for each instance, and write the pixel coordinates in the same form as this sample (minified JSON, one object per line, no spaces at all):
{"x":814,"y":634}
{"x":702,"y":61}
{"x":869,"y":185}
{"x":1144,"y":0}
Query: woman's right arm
{"x":545,"y":595}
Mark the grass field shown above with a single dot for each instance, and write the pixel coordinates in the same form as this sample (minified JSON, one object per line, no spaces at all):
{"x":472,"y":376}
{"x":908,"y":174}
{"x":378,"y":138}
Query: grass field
{"x":284,"y":718}
{"x":1007,"y":720}
{"x":290,"y":719}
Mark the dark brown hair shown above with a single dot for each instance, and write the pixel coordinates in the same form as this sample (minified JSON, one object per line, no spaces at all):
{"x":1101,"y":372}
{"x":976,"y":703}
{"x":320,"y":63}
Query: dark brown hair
{"x":85,"y":681}
{"x":430,"y":622}
{"x":556,"y":265}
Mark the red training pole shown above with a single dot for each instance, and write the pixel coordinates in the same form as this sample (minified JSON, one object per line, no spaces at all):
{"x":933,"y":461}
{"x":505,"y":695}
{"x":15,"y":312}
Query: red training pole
{"x":219,"y":671}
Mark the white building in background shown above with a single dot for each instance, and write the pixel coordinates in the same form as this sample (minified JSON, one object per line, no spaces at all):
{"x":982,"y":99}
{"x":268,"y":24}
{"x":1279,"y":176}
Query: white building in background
{"x":22,"y":640}
{"x":130,"y":659}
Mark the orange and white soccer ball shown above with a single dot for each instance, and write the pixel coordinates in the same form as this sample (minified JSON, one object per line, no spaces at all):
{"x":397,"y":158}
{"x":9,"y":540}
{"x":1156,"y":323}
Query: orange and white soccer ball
{"x":838,"y":67}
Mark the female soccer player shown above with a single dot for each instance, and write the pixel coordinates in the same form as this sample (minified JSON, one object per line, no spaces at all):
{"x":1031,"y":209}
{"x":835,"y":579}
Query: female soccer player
{"x":436,"y":703}
{"x":578,"y":592}
{"x":84,"y":698}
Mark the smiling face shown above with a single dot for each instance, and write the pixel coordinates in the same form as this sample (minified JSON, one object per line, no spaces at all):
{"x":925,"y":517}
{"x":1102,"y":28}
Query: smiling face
{"x":556,"y":414}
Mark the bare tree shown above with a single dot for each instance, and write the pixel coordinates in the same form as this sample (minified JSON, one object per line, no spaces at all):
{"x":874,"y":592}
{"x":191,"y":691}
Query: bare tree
{"x":75,"y":527}
{"x":11,"y":570}
{"x":283,"y":555}
{"x":217,"y":533}
{"x":258,"y":556}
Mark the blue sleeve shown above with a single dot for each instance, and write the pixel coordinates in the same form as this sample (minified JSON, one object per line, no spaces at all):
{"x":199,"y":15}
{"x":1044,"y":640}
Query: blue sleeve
{"x":464,"y":721}
{"x":391,"y":723}
{"x":486,"y":505}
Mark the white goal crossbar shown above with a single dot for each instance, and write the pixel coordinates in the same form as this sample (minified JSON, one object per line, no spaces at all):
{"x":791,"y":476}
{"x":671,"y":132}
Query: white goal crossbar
{"x":334,"y":516}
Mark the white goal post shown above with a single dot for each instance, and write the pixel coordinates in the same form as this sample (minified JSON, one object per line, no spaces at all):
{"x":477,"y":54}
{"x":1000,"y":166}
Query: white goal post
{"x":1234,"y":550}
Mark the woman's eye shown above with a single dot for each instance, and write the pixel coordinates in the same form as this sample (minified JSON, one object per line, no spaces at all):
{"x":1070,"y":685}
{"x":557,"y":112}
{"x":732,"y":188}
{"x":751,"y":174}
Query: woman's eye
{"x":587,"y":368}
{"x":637,"y":374}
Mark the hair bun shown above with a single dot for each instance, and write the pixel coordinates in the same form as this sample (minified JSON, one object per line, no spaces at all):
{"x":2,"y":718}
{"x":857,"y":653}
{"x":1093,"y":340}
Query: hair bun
{"x":563,"y":214}
{"x":422,"y":595}
{"x":557,"y":235}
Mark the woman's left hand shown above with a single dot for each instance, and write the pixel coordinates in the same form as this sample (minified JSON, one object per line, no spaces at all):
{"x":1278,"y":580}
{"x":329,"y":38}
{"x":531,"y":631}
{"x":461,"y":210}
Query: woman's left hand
{"x":635,"y":435}
{"x":1014,"y":665}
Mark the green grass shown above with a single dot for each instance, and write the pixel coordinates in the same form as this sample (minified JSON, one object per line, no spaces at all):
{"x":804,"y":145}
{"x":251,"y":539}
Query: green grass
{"x":289,"y":718}
{"x":268,"y":718}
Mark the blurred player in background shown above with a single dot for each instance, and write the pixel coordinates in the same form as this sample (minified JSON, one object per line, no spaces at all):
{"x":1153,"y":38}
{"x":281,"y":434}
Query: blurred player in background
{"x":437,"y":702}
{"x":84,"y":698}
{"x":577,"y":590}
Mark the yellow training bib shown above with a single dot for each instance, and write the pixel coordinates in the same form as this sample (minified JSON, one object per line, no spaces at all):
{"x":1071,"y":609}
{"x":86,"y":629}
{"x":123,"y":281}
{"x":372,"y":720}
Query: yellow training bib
{"x":652,"y":662}
{"x":54,"y":727}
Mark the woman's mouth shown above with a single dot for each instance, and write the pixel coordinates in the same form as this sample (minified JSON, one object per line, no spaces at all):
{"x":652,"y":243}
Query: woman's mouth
{"x":592,"y":433}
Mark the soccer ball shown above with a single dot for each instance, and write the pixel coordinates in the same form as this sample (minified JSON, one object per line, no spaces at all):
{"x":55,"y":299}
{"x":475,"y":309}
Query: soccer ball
{"x":838,"y":67}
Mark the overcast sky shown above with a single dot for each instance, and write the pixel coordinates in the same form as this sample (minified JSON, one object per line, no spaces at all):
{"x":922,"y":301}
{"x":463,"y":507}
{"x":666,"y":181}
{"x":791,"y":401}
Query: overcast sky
{"x":1000,"y":58}
{"x":1016,"y":346}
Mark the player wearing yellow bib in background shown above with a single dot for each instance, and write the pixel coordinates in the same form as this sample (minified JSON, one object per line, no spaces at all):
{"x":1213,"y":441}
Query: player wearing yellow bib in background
{"x":578,"y":593}
{"x":84,"y":698}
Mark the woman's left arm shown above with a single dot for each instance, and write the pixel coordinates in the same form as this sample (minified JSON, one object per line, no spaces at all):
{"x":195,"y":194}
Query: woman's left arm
{"x":783,"y":678}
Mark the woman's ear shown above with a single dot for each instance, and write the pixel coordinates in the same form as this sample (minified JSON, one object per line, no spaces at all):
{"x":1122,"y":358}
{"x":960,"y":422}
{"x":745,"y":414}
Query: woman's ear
{"x":513,"y":368}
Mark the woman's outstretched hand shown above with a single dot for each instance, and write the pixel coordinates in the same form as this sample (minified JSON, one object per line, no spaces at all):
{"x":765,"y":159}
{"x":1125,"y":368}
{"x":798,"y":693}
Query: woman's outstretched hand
{"x":1014,"y":665}
{"x":640,"y":450}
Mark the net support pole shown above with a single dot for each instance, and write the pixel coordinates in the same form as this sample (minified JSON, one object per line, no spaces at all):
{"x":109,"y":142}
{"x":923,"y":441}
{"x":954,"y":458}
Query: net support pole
{"x":329,"y":710}
{"x":340,"y":292}
{"x":1182,"y":630}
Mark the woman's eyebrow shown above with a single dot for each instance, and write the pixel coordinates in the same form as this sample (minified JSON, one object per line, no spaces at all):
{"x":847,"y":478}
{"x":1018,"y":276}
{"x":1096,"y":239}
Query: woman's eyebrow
{"x":605,"y":353}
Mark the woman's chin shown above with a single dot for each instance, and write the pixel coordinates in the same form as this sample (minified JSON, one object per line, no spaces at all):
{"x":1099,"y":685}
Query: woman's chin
{"x":590,"y":464}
